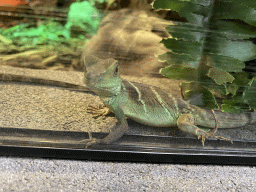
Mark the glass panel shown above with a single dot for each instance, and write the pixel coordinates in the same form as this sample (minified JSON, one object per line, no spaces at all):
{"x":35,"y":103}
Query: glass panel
{"x":178,"y":66}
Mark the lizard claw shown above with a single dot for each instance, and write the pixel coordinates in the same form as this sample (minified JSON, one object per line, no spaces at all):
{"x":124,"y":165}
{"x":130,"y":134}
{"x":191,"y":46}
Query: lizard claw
{"x":203,"y":135}
{"x":209,"y":135}
{"x":203,"y":139}
{"x":223,"y":138}
{"x":98,"y":111}
{"x":89,"y":142}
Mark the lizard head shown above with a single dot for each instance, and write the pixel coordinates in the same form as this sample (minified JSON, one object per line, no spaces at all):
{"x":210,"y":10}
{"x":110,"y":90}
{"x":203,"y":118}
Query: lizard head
{"x":102,"y":76}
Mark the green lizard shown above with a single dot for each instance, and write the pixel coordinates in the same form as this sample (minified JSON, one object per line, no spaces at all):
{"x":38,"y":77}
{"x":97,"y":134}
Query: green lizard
{"x":150,"y":105}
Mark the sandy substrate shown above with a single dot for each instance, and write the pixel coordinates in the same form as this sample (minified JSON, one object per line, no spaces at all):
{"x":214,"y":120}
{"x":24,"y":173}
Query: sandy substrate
{"x":52,"y":108}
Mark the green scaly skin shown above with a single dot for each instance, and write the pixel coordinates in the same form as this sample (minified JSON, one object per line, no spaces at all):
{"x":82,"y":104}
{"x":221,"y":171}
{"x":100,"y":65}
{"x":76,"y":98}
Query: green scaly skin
{"x":150,"y":105}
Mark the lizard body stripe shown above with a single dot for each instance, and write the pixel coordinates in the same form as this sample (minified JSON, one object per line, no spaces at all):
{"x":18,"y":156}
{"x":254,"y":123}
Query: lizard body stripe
{"x":139,"y":96}
{"x":160,"y":101}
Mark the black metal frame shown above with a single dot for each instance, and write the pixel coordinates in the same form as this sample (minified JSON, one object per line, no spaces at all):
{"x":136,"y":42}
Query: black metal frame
{"x":132,"y":148}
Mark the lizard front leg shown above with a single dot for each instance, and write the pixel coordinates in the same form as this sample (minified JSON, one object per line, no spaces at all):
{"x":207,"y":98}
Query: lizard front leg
{"x":116,"y":133}
{"x":186,"y":123}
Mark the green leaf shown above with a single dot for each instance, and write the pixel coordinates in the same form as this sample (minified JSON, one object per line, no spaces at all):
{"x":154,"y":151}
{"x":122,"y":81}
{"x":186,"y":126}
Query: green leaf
{"x":226,"y":63}
{"x":232,"y":106}
{"x":185,"y":52}
{"x":241,"y":80}
{"x":234,"y":30}
{"x":181,"y":59}
{"x":175,"y":5}
{"x":180,"y":72}
{"x":193,"y":10}
{"x":232,"y":89}
{"x":236,"y":10}
{"x":209,"y":99}
{"x":247,"y":3}
{"x":250,"y":93}
{"x":217,"y":90}
{"x":219,"y":76}
{"x":190,"y":89}
{"x":193,"y":90}
{"x":181,"y":46}
{"x":187,"y":31}
{"x":242,"y":50}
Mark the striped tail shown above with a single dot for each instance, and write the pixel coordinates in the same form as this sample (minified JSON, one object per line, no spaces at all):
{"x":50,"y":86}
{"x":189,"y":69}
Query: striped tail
{"x":206,"y":118}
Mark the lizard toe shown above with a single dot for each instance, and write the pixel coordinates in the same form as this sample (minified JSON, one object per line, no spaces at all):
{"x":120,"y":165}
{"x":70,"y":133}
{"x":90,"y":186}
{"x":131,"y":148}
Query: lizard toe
{"x":89,"y":142}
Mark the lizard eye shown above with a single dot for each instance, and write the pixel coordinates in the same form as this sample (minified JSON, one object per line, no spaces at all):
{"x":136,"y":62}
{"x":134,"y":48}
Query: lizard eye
{"x":116,"y":71}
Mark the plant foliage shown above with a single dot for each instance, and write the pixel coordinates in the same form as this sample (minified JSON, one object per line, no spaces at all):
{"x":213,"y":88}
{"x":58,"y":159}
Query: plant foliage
{"x":210,"y":50}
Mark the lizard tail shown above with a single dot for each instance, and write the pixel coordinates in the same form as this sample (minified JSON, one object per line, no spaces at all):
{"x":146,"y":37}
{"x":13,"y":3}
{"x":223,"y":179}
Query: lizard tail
{"x":206,"y":118}
{"x":253,"y":117}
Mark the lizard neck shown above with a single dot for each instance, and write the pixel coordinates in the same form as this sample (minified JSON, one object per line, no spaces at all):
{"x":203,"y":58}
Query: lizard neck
{"x":111,"y":99}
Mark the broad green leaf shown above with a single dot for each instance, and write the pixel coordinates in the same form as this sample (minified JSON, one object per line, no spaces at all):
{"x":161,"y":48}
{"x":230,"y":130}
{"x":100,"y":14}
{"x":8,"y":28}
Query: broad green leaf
{"x":242,"y":50}
{"x":234,"y":30}
{"x":220,"y":76}
{"x":217,"y":90}
{"x":226,"y":63}
{"x":232,"y":106}
{"x":191,"y":51}
{"x":236,"y":10}
{"x":175,"y":5}
{"x":190,"y":89}
{"x":198,"y":95}
{"x":181,"y":59}
{"x":180,"y":72}
{"x":232,"y":89}
{"x":194,"y":11}
{"x":247,"y":3}
{"x":187,"y":31}
{"x":182,"y":46}
{"x":209,"y":99}
{"x":241,"y":79}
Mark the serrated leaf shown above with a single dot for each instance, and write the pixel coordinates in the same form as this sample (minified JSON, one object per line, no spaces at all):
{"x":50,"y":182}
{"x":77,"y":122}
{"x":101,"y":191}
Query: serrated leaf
{"x":236,"y":10}
{"x":241,"y":79}
{"x":190,"y":89}
{"x":191,"y":51}
{"x":193,"y":10}
{"x":219,"y":76}
{"x":232,"y":89}
{"x":231,"y":106}
{"x":234,"y":30}
{"x":182,"y":46}
{"x":182,"y":59}
{"x":241,"y":50}
{"x":209,"y":99}
{"x":217,"y":90}
{"x":175,"y":5}
{"x":226,"y":63}
{"x":247,"y":3}
{"x":180,"y":72}
{"x":187,"y":31}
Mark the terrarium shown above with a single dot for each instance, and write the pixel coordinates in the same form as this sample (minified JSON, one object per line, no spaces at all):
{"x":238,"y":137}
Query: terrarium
{"x":138,"y":80}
